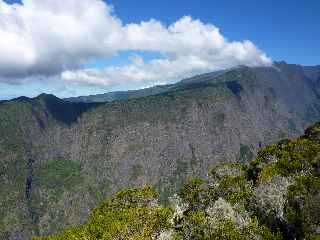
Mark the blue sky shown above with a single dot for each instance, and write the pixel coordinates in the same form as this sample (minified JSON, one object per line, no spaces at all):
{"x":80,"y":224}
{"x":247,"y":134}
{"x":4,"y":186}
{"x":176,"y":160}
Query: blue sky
{"x":283,"y":30}
{"x":286,"y":30}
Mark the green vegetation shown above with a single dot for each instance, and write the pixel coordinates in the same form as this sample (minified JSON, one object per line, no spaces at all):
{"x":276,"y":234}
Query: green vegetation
{"x":170,"y":186}
{"x":131,"y":214}
{"x":302,"y":211}
{"x":287,"y":158}
{"x":58,"y":174}
{"x":275,"y":197}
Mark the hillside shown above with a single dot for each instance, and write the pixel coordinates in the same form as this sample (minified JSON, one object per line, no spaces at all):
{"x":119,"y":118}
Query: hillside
{"x":60,"y":159}
{"x":275,"y":197}
{"x":124,"y":95}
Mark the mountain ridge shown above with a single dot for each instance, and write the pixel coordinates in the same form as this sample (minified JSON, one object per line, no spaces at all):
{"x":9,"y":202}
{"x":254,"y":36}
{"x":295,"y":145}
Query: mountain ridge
{"x":158,"y":89}
{"x":144,"y":92}
{"x":159,"y":139}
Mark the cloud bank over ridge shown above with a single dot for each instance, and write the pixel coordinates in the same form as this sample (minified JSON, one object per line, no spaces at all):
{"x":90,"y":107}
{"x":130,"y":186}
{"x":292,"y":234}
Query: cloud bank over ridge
{"x":56,"y":39}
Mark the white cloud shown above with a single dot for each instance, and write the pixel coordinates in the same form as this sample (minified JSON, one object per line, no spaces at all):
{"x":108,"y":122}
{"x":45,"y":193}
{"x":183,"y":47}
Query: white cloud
{"x":47,"y":38}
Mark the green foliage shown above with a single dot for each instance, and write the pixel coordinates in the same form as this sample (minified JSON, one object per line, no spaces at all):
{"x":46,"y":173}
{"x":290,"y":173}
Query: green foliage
{"x":299,"y":160}
{"x":239,"y":197}
{"x":201,"y":228}
{"x":302,"y":210}
{"x":129,"y":215}
{"x":228,"y":230}
{"x":286,"y":159}
{"x":235,"y":189}
{"x":168,"y":187}
{"x":221,"y":171}
{"x":193,"y":191}
{"x":231,"y":183}
{"x":57,"y":174}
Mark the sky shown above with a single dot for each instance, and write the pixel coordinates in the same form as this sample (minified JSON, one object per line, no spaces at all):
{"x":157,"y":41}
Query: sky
{"x":72,"y":48}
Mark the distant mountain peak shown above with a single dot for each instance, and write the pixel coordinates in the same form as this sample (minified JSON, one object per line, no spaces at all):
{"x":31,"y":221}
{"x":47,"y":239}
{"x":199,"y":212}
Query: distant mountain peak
{"x":45,"y":96}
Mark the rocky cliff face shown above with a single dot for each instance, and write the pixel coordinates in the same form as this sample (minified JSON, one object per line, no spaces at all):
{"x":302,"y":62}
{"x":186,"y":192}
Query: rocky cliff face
{"x":59,"y":159}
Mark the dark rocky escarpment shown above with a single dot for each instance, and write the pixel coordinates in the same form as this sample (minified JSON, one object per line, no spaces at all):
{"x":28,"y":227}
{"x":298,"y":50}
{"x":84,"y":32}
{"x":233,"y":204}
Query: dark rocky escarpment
{"x":65,"y":112}
{"x":85,"y":152}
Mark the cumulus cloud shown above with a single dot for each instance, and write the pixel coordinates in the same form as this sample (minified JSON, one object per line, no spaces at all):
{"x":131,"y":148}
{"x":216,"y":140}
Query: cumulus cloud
{"x":45,"y":37}
{"x":57,"y":38}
